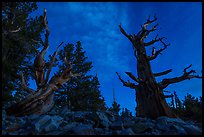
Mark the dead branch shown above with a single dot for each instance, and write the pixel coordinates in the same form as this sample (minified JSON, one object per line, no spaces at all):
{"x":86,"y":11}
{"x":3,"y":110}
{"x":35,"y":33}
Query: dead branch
{"x":124,"y":33}
{"x":153,"y":41}
{"x":51,"y":64}
{"x":127,"y":84}
{"x":132,"y":77}
{"x":159,"y":51}
{"x":162,"y":73}
{"x":187,"y":75}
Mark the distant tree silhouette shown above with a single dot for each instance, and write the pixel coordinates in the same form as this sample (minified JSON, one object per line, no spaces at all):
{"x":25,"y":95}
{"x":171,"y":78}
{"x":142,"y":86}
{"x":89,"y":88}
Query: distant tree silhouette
{"x":150,"y":98}
{"x":80,"y":93}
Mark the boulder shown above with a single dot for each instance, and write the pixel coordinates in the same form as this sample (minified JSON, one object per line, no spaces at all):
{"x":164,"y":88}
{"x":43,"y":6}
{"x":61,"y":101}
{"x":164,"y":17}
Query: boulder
{"x":80,"y":116}
{"x":192,"y":130}
{"x":99,"y":131}
{"x":163,"y":120}
{"x":179,"y":129}
{"x":83,"y":130}
{"x":104,"y":121}
{"x":118,"y":125}
{"x":128,"y":123}
{"x":69,"y":126}
{"x":127,"y":131}
{"x":142,"y":127}
{"x":47,"y":123}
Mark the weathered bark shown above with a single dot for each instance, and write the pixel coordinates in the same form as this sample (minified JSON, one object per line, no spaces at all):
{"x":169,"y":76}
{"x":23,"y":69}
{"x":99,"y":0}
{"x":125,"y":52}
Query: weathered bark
{"x":41,"y":100}
{"x":150,"y":98}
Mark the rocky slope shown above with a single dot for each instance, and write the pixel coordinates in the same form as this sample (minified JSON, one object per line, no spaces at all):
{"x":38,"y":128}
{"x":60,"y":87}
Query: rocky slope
{"x":64,"y":122}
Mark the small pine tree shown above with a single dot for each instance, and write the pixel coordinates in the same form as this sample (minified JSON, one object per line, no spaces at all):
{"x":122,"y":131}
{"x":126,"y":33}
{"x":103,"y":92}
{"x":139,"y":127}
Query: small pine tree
{"x":115,"y":108}
{"x":81,"y":93}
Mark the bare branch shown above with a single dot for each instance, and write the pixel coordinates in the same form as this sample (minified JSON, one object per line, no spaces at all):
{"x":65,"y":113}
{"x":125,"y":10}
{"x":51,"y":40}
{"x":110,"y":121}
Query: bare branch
{"x":144,"y":32}
{"x":132,"y":77}
{"x":51,"y":64}
{"x":153,"y":41}
{"x":127,"y":84}
{"x":163,"y":73}
{"x":24,"y":86}
{"x":124,"y":33}
{"x":159,"y":51}
{"x":147,"y":32}
{"x":187,"y":68}
{"x":187,"y":75}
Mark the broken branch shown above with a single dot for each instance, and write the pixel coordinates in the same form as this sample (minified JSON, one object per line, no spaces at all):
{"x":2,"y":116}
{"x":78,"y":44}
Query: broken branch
{"x":159,"y":51}
{"x":124,"y":33}
{"x":165,"y":82}
{"x":127,"y":84}
{"x":132,"y":77}
{"x":162,"y":73}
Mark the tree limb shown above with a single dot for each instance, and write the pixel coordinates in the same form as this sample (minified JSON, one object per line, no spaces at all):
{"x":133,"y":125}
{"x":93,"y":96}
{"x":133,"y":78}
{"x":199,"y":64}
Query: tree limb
{"x":153,"y":41}
{"x":132,"y":77}
{"x":144,"y":30}
{"x":127,"y":84}
{"x":51,"y":64}
{"x":124,"y":33}
{"x":187,"y":75}
{"x":163,"y":73}
{"x":159,"y":51}
{"x":24,"y":86}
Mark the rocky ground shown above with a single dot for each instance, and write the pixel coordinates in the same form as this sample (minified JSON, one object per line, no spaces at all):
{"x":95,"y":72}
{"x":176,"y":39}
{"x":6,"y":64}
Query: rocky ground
{"x":65,"y":122}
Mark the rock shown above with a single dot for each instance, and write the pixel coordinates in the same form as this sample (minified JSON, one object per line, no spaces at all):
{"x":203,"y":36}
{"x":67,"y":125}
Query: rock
{"x":127,"y":131}
{"x":83,"y":130}
{"x":116,"y":132}
{"x":139,"y":119}
{"x":42,"y":121}
{"x":56,"y":132}
{"x":110,"y":116}
{"x":163,"y":120}
{"x":69,"y":126}
{"x":118,"y":125}
{"x":162,"y":127}
{"x":47,"y":123}
{"x":128,"y":123}
{"x":192,"y":130}
{"x":104,"y":121}
{"x":99,"y":131}
{"x":33,"y":117}
{"x":79,"y":116}
{"x":180,"y":130}
{"x":169,"y":132}
{"x":142,"y":127}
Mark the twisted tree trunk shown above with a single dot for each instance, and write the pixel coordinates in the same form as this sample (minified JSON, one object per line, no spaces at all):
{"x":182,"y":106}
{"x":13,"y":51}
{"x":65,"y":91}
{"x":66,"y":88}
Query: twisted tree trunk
{"x":150,"y":98}
{"x":41,"y":100}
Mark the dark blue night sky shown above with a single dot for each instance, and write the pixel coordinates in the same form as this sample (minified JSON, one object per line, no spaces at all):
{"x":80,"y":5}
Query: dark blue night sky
{"x":95,"y":24}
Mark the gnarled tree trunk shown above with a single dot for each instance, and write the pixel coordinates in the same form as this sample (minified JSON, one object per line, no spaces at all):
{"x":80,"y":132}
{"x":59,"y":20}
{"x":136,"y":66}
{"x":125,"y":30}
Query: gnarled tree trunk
{"x":150,"y":98}
{"x":41,"y":100}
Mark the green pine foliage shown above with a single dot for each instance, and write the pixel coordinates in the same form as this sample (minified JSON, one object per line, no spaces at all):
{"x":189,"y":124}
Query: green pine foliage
{"x":189,"y":109}
{"x":115,"y":107}
{"x":20,"y":36}
{"x":80,"y":93}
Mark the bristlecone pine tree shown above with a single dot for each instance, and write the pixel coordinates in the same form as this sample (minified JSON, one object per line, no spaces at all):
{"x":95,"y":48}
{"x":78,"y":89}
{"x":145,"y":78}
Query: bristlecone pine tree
{"x":20,"y":35}
{"x":150,"y":98}
{"x":41,"y":100}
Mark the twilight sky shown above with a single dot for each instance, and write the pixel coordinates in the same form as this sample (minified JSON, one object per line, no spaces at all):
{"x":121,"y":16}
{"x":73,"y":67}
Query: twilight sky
{"x":95,"y":24}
